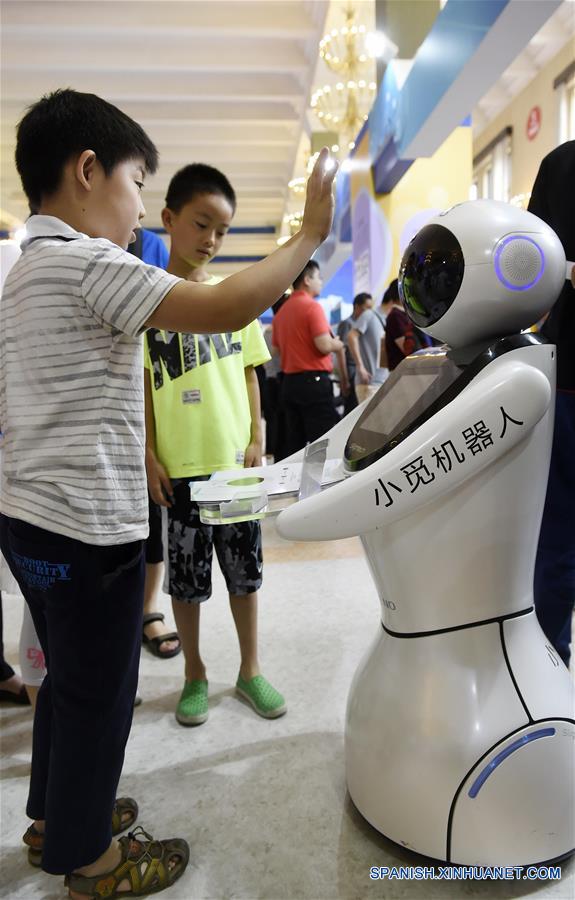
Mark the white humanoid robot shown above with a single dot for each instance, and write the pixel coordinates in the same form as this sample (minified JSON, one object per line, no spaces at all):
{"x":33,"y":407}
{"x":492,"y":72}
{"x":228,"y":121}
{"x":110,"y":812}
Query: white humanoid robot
{"x":460,"y":734}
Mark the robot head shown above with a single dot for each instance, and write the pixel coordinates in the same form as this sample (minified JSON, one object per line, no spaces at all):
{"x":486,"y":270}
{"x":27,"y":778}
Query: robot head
{"x":479,"y":271}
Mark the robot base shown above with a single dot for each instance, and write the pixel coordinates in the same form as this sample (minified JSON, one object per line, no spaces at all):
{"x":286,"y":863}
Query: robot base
{"x":444,"y":756}
{"x":413,"y":857}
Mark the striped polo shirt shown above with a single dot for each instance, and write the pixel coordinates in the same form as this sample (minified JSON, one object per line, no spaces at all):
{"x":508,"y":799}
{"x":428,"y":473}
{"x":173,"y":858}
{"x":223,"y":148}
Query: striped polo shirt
{"x":72,"y":313}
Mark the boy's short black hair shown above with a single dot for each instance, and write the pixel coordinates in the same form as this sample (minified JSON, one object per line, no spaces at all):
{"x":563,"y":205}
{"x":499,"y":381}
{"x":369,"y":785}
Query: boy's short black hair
{"x":309,"y":267}
{"x":198,"y":178}
{"x":66,"y":122}
{"x":360,"y":299}
{"x":392,"y":293}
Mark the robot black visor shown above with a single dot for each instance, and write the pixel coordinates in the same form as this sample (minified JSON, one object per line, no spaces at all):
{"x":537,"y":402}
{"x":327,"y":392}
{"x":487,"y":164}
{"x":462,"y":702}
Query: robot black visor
{"x":430,"y":274}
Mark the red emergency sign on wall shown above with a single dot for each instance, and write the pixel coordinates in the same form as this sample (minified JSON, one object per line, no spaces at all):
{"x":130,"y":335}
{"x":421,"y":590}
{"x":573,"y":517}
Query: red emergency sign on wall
{"x":533,"y":123}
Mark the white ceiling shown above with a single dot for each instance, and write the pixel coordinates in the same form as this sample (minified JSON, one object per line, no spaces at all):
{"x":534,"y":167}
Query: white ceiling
{"x":225,"y":82}
{"x":558,"y":30}
{"x":220,"y":81}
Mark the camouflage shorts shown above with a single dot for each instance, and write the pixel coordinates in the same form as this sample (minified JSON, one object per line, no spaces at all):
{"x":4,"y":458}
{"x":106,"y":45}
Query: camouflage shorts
{"x":190,"y":547}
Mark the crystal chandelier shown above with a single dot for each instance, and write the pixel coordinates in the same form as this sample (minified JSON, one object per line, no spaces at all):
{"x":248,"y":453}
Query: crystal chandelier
{"x":345,"y":107}
{"x":349,"y":52}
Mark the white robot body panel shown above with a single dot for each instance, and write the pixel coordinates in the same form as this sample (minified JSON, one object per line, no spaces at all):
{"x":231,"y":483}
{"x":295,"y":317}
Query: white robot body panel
{"x":516,"y":806}
{"x":447,"y":699}
{"x":491,"y":574}
{"x":457,"y":694}
{"x":477,"y":277}
{"x":538,"y":671}
{"x":453,"y":708}
{"x":483,"y":580}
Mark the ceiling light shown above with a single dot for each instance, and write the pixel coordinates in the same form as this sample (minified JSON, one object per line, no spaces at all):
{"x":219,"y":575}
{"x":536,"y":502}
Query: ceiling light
{"x":379,"y":46}
{"x":350,"y":52}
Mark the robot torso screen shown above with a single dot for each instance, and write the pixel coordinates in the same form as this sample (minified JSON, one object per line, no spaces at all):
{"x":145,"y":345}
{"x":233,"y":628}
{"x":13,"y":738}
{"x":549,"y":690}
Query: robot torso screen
{"x":410,"y":393}
{"x":420,"y":386}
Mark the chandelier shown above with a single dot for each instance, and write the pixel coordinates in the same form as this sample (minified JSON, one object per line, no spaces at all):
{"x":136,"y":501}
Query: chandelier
{"x":349,"y":52}
{"x":291,"y":224}
{"x":345,"y":107}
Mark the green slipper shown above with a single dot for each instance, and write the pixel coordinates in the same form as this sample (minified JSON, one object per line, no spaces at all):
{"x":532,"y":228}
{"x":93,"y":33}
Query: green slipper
{"x":264,"y":698}
{"x":192,"y":708}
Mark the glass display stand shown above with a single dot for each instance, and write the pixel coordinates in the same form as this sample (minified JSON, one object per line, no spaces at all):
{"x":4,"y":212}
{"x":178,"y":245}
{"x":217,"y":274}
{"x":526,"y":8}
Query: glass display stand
{"x":241,"y":495}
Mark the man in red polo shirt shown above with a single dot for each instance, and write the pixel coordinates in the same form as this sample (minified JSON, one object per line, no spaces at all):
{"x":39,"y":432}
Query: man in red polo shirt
{"x":302,"y":337}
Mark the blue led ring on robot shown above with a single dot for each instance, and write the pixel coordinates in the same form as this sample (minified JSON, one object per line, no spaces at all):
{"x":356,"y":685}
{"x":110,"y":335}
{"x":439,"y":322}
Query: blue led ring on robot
{"x":460,"y":724}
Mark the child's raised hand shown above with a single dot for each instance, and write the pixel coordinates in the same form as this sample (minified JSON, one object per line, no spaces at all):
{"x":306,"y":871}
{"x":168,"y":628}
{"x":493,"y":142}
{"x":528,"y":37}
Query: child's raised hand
{"x":319,"y":201}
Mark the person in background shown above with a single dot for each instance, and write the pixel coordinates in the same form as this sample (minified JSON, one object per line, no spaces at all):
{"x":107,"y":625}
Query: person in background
{"x":397,"y":326}
{"x":271,"y":391}
{"x":12,"y":689}
{"x":31,"y":657}
{"x":364,"y":341}
{"x":203,"y":416}
{"x":343,"y":329}
{"x":411,"y":338}
{"x":390,"y":297}
{"x":151,"y":249}
{"x":302,"y":337}
{"x":554,"y":585}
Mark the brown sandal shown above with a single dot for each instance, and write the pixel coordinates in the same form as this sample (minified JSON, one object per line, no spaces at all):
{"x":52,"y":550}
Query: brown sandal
{"x":124,"y":815}
{"x":154,"y":644}
{"x":144,"y":864}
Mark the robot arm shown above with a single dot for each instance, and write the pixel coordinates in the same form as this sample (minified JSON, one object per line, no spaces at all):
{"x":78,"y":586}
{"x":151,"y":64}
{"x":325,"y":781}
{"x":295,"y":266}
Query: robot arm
{"x":486,"y":420}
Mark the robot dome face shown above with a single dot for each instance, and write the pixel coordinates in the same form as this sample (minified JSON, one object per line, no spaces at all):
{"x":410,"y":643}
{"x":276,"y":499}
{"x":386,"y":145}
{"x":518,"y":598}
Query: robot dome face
{"x":481,"y":270}
{"x":431,"y":274}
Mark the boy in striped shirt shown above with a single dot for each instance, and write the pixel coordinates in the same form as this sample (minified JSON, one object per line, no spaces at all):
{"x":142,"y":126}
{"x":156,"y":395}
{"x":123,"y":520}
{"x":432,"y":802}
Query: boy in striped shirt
{"x":73,"y":503}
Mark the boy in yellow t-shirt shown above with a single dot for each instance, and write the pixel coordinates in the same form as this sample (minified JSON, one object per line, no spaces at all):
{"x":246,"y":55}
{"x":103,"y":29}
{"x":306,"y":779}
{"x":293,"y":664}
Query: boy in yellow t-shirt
{"x":203,"y":415}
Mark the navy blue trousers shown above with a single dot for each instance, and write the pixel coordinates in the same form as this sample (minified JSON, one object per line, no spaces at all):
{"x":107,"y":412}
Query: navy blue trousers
{"x":86,"y":603}
{"x":555,"y":564}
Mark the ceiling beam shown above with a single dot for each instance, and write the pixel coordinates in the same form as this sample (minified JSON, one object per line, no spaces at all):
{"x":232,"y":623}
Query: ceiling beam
{"x":290,"y":17}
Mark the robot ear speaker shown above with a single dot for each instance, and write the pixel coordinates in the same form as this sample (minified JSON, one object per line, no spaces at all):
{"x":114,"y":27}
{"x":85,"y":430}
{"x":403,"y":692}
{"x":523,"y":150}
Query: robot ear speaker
{"x":519,"y":262}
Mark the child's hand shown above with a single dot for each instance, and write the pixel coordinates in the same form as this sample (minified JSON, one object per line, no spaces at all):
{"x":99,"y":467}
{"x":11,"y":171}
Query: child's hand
{"x":364,"y":376}
{"x":253,"y":455}
{"x":159,"y":484}
{"x":344,"y":385}
{"x":319,"y":202}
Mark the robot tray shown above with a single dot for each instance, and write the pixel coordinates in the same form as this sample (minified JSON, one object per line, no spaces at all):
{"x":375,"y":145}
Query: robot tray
{"x":239,"y":495}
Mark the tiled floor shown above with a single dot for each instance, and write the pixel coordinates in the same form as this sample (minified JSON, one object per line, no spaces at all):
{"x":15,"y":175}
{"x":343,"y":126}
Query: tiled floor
{"x":262,"y":803}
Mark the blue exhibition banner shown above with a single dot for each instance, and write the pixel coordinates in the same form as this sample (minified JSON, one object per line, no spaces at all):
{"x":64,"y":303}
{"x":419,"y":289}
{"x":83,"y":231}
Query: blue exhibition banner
{"x":401,"y":110}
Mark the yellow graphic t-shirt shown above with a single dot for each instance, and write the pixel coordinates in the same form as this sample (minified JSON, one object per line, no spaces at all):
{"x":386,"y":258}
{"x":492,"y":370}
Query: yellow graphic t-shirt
{"x":201,"y":404}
